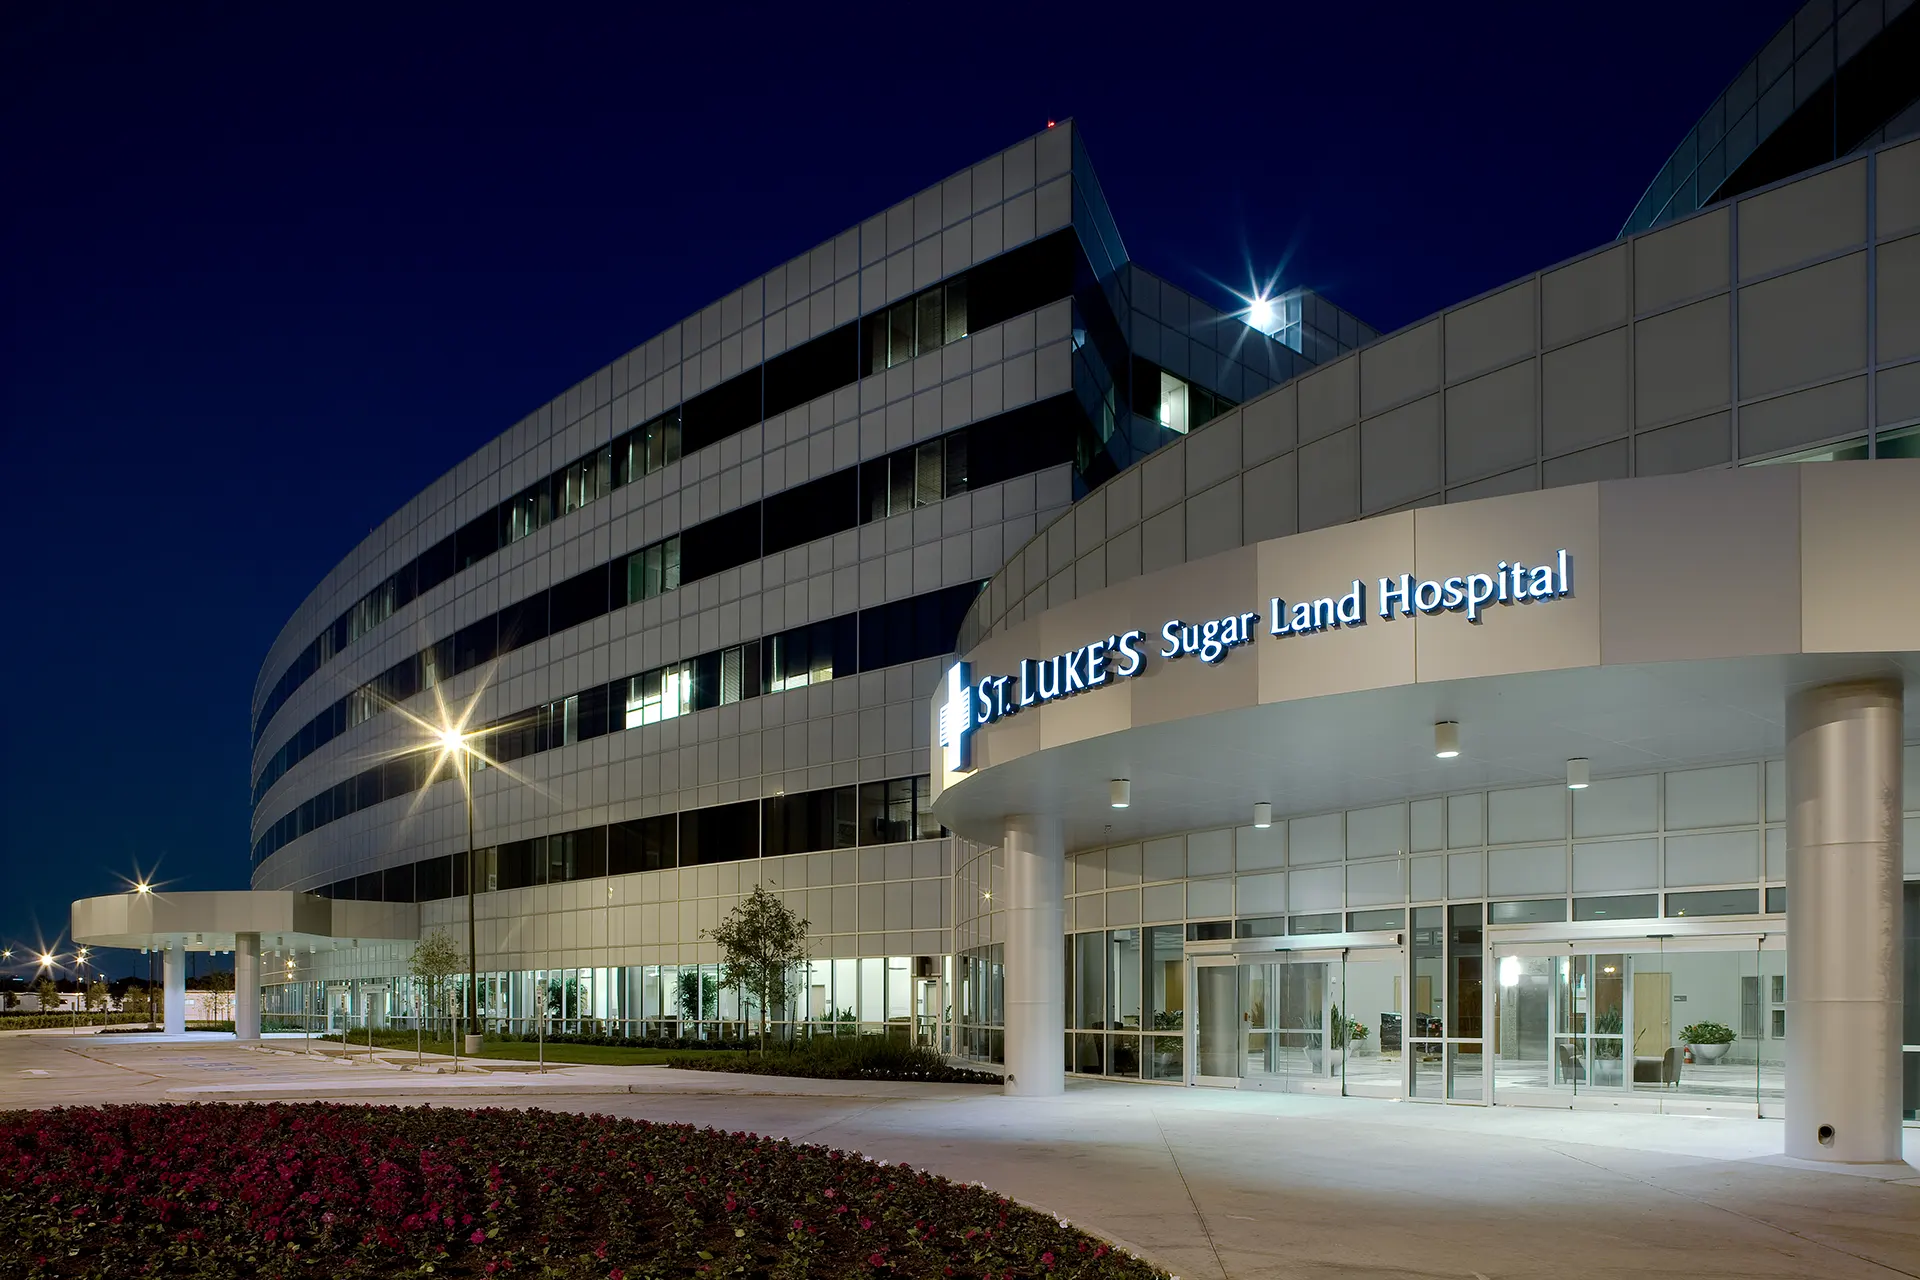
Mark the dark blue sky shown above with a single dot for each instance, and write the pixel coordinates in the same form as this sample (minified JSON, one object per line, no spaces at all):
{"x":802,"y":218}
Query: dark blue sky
{"x":264,"y":280}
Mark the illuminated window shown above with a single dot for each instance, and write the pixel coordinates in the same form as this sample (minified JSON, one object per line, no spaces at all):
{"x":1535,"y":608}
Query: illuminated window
{"x":801,"y":657}
{"x":1173,"y":403}
{"x":660,"y":694}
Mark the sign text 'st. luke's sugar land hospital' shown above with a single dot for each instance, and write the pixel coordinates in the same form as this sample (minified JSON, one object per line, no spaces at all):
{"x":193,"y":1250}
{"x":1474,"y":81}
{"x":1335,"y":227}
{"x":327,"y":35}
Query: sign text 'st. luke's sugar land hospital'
{"x":970,"y":703}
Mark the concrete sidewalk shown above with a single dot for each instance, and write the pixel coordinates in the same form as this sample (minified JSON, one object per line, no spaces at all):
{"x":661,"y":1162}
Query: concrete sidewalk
{"x":1215,"y":1184}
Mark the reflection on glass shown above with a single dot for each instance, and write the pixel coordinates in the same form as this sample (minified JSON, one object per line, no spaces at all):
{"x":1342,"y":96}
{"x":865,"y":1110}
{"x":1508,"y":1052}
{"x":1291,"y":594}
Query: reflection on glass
{"x":1166,"y":976}
{"x":1217,"y":1047}
{"x":1375,"y":1054}
{"x":1522,"y":1026}
{"x":1427,"y":952}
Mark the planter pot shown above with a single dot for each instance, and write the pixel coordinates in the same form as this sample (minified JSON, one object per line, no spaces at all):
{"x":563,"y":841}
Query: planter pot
{"x":472,"y":1049}
{"x":1709,"y":1052}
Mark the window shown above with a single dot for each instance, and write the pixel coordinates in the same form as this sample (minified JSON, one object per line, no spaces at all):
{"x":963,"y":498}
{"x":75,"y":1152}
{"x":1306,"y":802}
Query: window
{"x":722,"y":833}
{"x":801,"y":657}
{"x":1172,"y":410}
{"x":587,"y":480}
{"x":1628,"y":906}
{"x":739,"y":673}
{"x":809,"y":821}
{"x":530,"y":512}
{"x":914,"y":326}
{"x":887,"y":811}
{"x":1714,"y":902}
{"x":646,"y":449}
{"x":1530,"y":911}
{"x":643,"y":844}
{"x":660,"y":694}
{"x":914,"y":477}
{"x":653,"y":570}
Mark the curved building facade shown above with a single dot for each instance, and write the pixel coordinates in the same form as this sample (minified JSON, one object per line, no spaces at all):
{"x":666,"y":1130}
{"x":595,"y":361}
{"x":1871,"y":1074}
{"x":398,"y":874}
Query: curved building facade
{"x":1835,"y":79}
{"x":1476,"y":713}
{"x":690,"y":609}
{"x":1482,"y":717}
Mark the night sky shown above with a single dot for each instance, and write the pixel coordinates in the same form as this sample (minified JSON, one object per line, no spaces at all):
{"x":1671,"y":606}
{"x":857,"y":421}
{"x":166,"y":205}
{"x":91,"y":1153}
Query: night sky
{"x":263,"y":281}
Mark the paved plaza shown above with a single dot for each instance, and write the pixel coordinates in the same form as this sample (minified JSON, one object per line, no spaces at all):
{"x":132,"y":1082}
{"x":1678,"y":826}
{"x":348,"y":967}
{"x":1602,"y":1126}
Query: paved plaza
{"x":1210,"y":1184}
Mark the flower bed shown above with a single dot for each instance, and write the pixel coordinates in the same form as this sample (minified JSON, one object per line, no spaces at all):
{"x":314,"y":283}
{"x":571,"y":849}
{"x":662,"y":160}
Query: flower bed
{"x":320,"y":1190}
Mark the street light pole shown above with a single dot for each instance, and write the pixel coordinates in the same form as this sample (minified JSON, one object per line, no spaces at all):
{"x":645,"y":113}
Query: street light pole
{"x":473,"y":954}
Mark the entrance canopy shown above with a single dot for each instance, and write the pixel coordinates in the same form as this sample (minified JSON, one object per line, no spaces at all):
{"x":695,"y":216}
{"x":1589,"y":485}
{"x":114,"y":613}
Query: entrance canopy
{"x":283,"y":919}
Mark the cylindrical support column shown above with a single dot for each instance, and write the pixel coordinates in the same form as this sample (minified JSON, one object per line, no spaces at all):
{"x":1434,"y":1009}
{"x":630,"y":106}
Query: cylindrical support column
{"x":1844,"y":919}
{"x":173,"y":988}
{"x":1036,"y":956}
{"x":246,"y":986}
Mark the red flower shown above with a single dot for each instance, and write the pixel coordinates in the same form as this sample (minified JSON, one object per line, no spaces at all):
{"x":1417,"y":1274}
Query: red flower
{"x":478,"y":1237}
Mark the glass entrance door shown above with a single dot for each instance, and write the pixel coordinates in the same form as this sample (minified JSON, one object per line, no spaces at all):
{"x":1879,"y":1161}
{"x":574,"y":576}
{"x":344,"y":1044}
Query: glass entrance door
{"x":1694,"y":1023}
{"x":1302,"y":1022}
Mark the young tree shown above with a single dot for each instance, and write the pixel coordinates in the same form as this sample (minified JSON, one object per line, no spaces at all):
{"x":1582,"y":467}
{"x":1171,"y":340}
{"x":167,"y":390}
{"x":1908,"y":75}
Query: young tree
{"x":13,"y":1001}
{"x":435,"y":959}
{"x":136,"y":1002}
{"x":762,"y":942}
{"x":96,"y":997}
{"x":49,"y":994}
{"x":219,"y":989}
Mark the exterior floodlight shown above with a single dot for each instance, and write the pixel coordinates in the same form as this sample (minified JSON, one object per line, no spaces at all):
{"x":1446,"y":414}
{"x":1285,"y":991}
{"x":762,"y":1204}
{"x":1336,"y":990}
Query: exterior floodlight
{"x":142,"y":887}
{"x":1260,"y":314}
{"x":1262,"y":815}
{"x":1577,"y":775}
{"x":453,"y":740}
{"x":1446,"y":739}
{"x":1120,"y":793}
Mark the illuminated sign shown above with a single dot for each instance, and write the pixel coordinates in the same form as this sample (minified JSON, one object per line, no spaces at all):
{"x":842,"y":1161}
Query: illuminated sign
{"x":969,"y":704}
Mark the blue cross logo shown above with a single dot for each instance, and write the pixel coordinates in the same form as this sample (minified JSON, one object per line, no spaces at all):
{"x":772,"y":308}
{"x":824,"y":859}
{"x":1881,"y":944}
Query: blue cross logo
{"x":957,"y":719}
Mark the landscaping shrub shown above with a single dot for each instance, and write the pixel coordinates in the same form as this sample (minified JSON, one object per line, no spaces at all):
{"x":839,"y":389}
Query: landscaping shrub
{"x":846,"y":1058}
{"x":307,"y":1190}
{"x":47,"y":1021}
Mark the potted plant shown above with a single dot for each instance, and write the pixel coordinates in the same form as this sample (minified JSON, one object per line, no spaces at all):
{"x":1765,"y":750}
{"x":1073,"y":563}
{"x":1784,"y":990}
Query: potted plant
{"x":1709,"y":1041}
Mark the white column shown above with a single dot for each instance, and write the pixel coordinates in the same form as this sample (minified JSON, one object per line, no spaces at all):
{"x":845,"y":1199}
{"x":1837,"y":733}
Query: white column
{"x":1036,"y":956}
{"x":173,"y":987}
{"x":1844,"y":919}
{"x":246,"y":986}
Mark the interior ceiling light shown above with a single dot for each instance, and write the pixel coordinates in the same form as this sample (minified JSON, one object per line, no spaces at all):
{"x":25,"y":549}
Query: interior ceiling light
{"x":1262,"y":815}
{"x":1446,"y":739}
{"x":1120,"y":793}
{"x":1577,"y":774}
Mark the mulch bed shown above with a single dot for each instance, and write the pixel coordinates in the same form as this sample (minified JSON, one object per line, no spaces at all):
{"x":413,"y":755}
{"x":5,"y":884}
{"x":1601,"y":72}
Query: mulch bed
{"x":313,"y":1190}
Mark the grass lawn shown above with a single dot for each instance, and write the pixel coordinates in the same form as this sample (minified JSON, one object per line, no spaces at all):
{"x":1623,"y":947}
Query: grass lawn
{"x":592,"y":1055}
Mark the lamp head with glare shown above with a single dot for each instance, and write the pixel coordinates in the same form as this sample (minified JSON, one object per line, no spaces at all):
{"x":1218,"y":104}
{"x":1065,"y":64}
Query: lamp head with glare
{"x":142,"y":887}
{"x":1578,"y":774}
{"x":1446,"y":739}
{"x":1120,"y":793}
{"x":1260,"y":314}
{"x":1262,"y":815}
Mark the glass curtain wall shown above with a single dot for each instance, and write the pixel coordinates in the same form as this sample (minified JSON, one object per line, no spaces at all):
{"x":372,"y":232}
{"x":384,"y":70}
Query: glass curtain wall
{"x":1688,"y":1023}
{"x":1126,"y":996}
{"x":900,"y":996}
